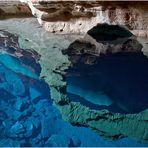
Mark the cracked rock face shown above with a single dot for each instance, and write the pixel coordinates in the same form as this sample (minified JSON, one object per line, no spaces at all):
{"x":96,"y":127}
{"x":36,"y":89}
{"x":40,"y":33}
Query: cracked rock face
{"x":80,"y":16}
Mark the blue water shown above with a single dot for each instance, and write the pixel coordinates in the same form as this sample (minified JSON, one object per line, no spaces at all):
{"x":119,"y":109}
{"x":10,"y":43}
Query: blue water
{"x":117,"y":82}
{"x":27,"y":117}
{"x":27,"y":114}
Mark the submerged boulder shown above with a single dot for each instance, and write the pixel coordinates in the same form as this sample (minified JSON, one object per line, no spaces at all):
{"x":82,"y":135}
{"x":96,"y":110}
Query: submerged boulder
{"x":34,"y":95}
{"x":11,"y":82}
{"x":108,"y":61}
{"x":58,"y":141}
{"x":17,"y":129}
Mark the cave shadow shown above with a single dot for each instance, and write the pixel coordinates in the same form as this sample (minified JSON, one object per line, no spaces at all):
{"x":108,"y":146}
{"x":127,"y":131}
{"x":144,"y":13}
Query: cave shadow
{"x":123,"y":78}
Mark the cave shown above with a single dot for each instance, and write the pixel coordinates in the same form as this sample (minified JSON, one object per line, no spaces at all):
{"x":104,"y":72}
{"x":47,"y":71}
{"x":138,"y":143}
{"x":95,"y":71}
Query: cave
{"x":108,"y":32}
{"x":113,"y":81}
{"x":117,"y":82}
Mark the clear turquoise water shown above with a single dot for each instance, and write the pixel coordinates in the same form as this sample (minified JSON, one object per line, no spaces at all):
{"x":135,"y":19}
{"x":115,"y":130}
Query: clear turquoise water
{"x":27,"y":114}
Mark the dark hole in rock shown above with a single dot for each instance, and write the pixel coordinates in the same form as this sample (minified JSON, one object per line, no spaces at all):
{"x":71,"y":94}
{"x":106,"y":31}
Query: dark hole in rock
{"x":117,"y":82}
{"x":105,"y":32}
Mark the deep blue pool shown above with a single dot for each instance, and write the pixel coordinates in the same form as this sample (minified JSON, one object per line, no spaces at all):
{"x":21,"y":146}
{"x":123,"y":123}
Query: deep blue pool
{"x":117,"y":82}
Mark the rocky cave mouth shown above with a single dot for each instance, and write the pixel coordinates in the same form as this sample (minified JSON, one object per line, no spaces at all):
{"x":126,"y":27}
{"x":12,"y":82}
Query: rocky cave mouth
{"x":118,"y":83}
{"x":107,"y":79}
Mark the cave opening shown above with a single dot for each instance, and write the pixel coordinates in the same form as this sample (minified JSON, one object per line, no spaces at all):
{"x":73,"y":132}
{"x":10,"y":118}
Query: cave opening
{"x":116,"y":81}
{"x":108,"y":32}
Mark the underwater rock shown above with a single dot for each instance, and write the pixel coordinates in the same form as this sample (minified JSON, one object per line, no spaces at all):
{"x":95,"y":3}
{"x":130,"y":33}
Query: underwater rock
{"x":77,"y":17}
{"x":35,"y":95}
{"x":109,"y":125}
{"x":42,"y":108}
{"x":10,"y":82}
{"x":58,"y":141}
{"x":29,"y":127}
{"x":46,"y":131}
{"x":21,"y":104}
{"x":101,"y":40}
{"x":75,"y":141}
{"x":12,"y":56}
{"x":36,"y":141}
{"x":54,"y":127}
{"x":17,"y":129}
{"x":9,"y":143}
{"x":3,"y":116}
{"x":13,"y":63}
{"x":36,"y":123}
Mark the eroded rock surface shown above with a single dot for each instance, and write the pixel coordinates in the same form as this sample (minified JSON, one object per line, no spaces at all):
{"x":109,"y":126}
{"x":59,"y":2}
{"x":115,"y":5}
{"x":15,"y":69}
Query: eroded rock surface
{"x":80,"y":16}
{"x":13,"y":8}
{"x":102,"y":39}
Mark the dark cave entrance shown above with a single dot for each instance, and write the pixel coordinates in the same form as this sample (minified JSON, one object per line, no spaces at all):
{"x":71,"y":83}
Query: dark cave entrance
{"x":117,"y":82}
{"x":120,"y":79}
{"x":105,"y":32}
